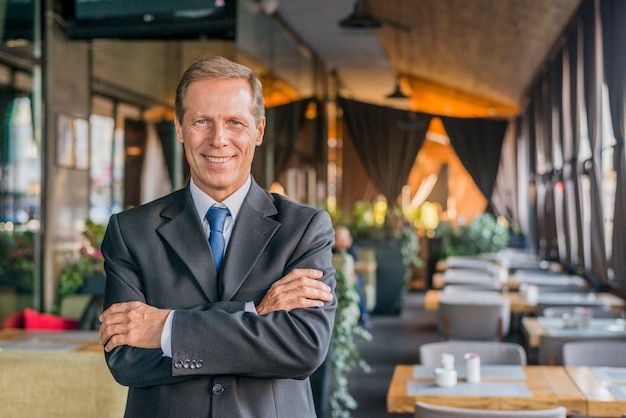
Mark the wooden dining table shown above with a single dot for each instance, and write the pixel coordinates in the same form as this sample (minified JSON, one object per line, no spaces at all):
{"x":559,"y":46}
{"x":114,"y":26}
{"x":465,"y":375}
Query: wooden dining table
{"x":66,"y":340}
{"x":520,"y":305}
{"x":604,"y":388}
{"x":501,"y":388}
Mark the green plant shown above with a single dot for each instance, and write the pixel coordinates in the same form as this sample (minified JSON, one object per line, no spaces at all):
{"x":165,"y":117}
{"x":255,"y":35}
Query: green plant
{"x":87,"y":262}
{"x":344,"y":352}
{"x":485,"y":234}
{"x":17,"y":259}
{"x":378,"y":222}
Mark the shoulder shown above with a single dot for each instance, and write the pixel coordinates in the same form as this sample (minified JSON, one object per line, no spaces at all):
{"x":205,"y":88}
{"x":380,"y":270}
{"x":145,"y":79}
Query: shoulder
{"x":155,"y":207}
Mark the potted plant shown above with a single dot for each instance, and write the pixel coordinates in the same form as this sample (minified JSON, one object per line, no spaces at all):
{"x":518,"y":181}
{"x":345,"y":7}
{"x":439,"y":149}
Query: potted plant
{"x":85,"y":271}
{"x":396,"y":243}
{"x":485,"y":234}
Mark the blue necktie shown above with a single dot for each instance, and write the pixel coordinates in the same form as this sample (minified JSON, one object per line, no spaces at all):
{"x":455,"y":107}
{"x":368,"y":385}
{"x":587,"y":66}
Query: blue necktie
{"x":216,"y":217}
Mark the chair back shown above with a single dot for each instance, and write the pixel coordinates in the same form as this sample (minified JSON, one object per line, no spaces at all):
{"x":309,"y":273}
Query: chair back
{"x":608,"y":353}
{"x":479,"y":316}
{"x":480,"y":287}
{"x":424,"y":410}
{"x":550,"y":350}
{"x":490,"y":352}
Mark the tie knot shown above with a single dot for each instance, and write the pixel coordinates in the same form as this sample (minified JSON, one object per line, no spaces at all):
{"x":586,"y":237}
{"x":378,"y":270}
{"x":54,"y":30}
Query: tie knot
{"x":216,"y":217}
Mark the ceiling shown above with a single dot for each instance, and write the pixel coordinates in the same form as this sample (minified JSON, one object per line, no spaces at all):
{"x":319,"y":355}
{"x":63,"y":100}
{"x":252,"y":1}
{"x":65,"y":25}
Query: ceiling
{"x":453,"y":57}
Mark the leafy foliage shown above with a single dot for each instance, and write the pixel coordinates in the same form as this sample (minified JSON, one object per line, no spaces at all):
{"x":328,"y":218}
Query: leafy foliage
{"x":485,"y":234}
{"x":345,"y":354}
{"x":17,"y":259}
{"x":87,"y":262}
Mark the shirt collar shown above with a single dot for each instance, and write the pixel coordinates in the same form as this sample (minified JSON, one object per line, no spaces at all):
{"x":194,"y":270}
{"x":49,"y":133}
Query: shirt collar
{"x":203,"y":201}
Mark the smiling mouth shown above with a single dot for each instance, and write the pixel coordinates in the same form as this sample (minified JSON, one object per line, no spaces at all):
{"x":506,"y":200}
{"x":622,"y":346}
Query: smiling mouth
{"x":218,"y":159}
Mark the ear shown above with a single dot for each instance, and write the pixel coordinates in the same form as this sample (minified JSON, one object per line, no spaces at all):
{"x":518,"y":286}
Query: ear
{"x":260,"y":132}
{"x":179,"y":131}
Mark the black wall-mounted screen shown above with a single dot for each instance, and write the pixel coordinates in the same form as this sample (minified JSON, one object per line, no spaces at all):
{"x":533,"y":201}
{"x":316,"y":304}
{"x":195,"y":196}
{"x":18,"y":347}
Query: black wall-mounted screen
{"x":151,"y":19}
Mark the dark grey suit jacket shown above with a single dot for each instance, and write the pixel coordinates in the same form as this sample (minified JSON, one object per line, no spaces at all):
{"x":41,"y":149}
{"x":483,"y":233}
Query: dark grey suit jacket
{"x":226,"y":362}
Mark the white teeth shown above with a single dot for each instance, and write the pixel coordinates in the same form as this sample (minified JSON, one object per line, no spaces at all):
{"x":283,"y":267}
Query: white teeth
{"x":218,"y":159}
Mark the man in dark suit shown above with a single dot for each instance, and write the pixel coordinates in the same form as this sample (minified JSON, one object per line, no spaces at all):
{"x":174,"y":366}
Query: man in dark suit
{"x":192,"y":341}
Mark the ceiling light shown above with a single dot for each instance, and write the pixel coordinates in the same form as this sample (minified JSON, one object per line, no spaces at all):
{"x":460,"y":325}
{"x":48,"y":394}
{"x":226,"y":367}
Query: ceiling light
{"x":397,"y":93}
{"x":360,"y":19}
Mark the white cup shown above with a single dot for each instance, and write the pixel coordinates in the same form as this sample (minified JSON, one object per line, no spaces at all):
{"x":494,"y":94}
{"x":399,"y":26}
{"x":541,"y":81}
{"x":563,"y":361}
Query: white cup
{"x":445,"y":377}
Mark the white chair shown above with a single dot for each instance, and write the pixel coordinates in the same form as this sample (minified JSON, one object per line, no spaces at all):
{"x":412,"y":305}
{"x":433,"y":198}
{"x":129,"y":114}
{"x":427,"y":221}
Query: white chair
{"x":424,"y":410}
{"x":480,"y":287}
{"x":475,"y":316}
{"x":550,"y":350}
{"x":611,"y":353}
{"x":490,"y":352}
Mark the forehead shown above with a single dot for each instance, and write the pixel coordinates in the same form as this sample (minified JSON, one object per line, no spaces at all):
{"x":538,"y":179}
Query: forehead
{"x":219,"y":95}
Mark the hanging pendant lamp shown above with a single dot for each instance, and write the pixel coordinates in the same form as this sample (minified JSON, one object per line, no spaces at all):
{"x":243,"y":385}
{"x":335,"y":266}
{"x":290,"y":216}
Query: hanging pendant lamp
{"x":360,"y":19}
{"x":397,"y":93}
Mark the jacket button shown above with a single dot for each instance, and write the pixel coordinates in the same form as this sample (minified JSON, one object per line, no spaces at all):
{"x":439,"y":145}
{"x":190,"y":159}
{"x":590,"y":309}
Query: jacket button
{"x":186,"y":364}
{"x":178,"y":364}
{"x":199,"y":364}
{"x":218,"y":389}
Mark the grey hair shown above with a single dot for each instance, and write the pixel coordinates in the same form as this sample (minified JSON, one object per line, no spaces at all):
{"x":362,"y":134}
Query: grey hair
{"x":215,"y":68}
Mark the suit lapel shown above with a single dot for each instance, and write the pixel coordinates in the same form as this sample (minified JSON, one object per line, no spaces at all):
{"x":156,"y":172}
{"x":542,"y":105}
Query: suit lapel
{"x":253,"y":231}
{"x":184,"y":235}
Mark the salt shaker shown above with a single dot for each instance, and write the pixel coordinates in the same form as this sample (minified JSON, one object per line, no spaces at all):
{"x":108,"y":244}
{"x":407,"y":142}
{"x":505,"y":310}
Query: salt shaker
{"x":472,"y":367}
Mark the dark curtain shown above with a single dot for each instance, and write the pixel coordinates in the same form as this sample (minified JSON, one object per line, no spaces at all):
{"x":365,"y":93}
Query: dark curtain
{"x":593,"y":100}
{"x":542,"y":177}
{"x":387,"y":141}
{"x":556,"y":134}
{"x":478,"y":143}
{"x":135,"y":138}
{"x":614,"y":48}
{"x":284,"y":124}
{"x":167,"y":136}
{"x":571,"y":199}
{"x":356,"y":185}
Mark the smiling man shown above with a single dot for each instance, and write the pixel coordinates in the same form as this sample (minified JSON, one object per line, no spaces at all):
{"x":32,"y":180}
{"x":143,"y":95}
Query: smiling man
{"x":195,"y":336}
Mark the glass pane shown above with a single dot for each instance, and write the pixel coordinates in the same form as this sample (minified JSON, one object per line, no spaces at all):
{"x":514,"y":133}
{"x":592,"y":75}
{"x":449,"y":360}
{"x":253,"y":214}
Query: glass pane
{"x":101,"y":172}
{"x":20,"y":188}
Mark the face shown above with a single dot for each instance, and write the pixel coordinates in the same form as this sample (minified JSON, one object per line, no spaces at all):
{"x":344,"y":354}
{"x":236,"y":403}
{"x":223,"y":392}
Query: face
{"x":219,"y":135}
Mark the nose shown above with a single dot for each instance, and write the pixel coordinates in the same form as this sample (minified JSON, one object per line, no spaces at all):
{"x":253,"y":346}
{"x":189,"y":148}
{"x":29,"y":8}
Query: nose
{"x":218,"y":137}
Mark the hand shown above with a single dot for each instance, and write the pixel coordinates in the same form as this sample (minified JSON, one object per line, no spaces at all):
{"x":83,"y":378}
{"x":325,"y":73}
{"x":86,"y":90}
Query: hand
{"x":132,"y":323}
{"x":300,"y":288}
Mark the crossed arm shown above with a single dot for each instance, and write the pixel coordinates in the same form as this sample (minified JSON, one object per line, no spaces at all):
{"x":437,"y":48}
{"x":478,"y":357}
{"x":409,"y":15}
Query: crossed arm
{"x":140,"y":325}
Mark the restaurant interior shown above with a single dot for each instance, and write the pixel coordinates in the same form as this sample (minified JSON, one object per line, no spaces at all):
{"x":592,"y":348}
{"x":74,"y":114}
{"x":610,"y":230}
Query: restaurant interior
{"x":473,"y":148}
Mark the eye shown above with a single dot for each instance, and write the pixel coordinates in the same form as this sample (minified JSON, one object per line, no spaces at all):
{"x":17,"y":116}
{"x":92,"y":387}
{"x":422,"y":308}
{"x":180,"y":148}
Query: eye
{"x":235,"y":122}
{"x":201,"y":122}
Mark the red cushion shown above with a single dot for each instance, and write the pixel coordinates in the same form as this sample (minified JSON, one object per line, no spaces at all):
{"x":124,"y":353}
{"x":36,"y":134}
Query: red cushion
{"x":37,"y":320}
{"x":15,"y":320}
